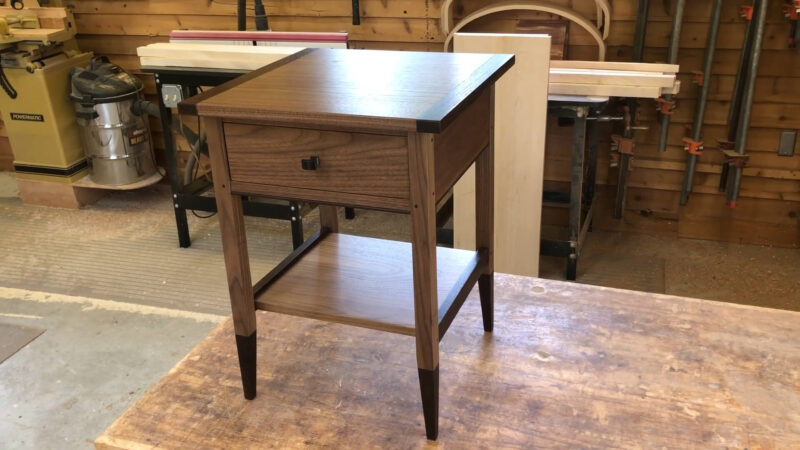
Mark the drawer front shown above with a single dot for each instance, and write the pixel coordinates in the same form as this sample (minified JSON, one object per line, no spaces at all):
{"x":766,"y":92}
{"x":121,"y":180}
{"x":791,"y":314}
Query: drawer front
{"x":353,"y":163}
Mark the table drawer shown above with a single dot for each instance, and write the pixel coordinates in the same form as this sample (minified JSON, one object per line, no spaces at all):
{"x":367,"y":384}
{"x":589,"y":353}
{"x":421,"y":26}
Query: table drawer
{"x":353,"y":163}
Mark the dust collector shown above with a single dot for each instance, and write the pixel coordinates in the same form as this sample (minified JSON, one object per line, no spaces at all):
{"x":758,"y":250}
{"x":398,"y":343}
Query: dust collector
{"x":115,"y":135}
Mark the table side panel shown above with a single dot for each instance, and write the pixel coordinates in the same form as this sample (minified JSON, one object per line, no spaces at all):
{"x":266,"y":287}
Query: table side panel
{"x":460,"y":143}
{"x":349,"y":162}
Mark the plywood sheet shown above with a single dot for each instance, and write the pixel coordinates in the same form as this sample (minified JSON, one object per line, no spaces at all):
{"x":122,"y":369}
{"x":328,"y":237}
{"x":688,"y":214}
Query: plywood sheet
{"x":520,"y":124}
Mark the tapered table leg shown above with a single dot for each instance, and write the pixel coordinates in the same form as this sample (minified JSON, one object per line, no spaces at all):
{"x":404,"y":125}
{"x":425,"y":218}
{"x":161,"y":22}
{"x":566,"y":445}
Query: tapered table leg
{"x":237,"y":263}
{"x":426,"y":304}
{"x":484,"y":222}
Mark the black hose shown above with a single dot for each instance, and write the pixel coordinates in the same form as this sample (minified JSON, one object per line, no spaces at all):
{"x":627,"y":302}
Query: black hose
{"x":6,"y":85}
{"x":262,"y":23}
{"x":241,"y":14}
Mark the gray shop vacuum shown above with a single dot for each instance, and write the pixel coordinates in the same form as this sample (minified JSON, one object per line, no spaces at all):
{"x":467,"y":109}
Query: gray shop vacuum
{"x":114,"y":130}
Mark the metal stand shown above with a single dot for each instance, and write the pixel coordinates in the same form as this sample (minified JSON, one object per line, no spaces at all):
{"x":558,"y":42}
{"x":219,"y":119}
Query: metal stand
{"x":190,"y":196}
{"x":581,"y":195}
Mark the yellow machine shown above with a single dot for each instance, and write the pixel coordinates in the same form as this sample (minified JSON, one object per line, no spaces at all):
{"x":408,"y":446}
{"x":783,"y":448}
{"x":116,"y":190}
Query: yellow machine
{"x":37,"y":51}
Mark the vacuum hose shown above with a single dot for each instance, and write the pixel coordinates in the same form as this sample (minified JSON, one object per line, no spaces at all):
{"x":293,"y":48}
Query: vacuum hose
{"x":197,"y":143}
{"x":241,"y":14}
{"x":6,"y":85}
{"x":262,"y":24}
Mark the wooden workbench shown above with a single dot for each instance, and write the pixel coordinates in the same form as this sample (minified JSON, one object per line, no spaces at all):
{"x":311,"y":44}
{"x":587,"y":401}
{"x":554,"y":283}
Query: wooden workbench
{"x":568,"y":365}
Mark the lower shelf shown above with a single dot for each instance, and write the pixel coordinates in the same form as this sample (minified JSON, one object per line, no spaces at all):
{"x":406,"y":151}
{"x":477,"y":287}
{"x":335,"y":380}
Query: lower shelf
{"x":364,"y":282}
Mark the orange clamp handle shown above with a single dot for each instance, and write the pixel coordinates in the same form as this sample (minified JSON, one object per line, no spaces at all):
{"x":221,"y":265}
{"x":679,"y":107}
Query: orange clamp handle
{"x":692,"y":146}
{"x":746,"y":12}
{"x":790,"y":11}
{"x":666,"y":107}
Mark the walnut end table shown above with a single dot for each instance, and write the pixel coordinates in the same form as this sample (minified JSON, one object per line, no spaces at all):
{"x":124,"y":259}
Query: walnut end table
{"x":374,"y":129}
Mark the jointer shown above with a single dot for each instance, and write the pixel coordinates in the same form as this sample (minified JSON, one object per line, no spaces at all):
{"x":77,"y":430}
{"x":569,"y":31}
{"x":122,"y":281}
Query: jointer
{"x":37,"y":51}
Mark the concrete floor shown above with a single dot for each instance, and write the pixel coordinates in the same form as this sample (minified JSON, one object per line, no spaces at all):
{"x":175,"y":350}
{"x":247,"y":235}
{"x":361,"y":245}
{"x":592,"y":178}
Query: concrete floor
{"x":121,"y":303}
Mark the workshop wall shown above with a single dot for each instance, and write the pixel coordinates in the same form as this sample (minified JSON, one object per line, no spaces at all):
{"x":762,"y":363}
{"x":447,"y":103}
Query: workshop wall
{"x":767,"y":211}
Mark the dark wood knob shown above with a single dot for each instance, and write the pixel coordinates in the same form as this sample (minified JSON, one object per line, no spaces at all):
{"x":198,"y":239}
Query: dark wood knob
{"x":310,"y":163}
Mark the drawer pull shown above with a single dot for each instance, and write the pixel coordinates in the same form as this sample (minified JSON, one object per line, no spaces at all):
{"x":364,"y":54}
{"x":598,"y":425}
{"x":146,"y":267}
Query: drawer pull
{"x":310,"y":163}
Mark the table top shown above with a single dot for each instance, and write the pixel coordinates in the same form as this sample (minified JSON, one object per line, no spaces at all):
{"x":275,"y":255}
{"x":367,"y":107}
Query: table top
{"x":382,"y":90}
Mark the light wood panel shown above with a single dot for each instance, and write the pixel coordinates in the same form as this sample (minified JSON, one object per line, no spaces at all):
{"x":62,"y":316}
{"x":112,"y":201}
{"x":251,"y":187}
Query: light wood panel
{"x":605,"y":368}
{"x":612,"y":65}
{"x":618,"y":77}
{"x":520,"y":122}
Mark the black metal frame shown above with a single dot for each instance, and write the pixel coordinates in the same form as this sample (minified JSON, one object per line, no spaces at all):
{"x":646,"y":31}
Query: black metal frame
{"x":190,"y":196}
{"x":581,"y":195}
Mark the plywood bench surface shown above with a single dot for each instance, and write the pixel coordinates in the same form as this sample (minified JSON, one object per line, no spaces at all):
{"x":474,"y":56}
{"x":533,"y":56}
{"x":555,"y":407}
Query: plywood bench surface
{"x":568,"y":365}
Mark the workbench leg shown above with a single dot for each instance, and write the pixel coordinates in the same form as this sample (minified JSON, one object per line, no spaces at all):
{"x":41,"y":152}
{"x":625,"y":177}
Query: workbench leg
{"x":237,"y":262}
{"x":591,"y":168}
{"x":175,"y":182}
{"x":484,"y":223}
{"x":576,"y":190}
{"x":423,"y":251}
{"x":297,"y":224}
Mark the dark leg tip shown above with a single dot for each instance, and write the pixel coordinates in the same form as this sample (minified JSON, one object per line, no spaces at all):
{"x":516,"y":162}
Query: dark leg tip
{"x":246,"y":346}
{"x":486,"y":291}
{"x":429,"y":387}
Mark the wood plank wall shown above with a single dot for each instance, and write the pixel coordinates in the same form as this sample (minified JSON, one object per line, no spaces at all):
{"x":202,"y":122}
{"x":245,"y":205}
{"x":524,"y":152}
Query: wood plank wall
{"x":767,"y":211}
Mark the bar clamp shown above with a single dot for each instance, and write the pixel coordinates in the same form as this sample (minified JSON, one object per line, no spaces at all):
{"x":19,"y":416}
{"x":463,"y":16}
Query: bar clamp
{"x":665,"y":107}
{"x":698,"y":77}
{"x":692,"y":146}
{"x":746,"y":12}
{"x":738,"y":160}
{"x":621,"y":145}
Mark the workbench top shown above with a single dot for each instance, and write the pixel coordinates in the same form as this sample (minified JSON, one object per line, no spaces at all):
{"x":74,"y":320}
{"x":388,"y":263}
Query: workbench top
{"x":379,"y":90}
{"x":568,"y":365}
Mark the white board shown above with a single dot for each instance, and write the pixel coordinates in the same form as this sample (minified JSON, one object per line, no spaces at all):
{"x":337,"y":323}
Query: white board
{"x":520,"y":127}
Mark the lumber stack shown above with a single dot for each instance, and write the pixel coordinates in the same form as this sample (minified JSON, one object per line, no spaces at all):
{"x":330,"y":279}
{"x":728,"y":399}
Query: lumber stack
{"x":613,"y":79}
{"x":212,"y":56}
{"x":590,"y":78}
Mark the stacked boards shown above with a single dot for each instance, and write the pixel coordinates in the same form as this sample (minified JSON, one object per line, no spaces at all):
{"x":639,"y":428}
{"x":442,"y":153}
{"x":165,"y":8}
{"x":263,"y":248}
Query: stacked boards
{"x":587,"y":78}
{"x":613,"y":79}
{"x":212,"y":56}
